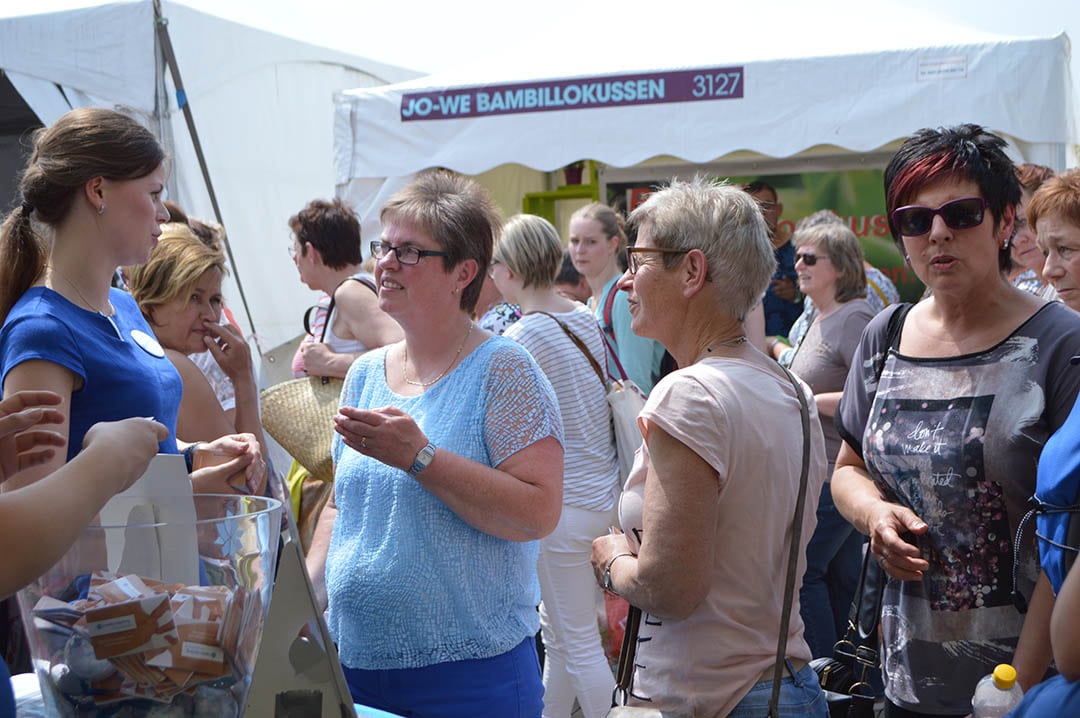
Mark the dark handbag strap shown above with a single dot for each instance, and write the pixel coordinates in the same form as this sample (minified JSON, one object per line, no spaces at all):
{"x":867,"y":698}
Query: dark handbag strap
{"x":579,"y":344}
{"x":793,"y":554}
{"x":330,"y":312}
{"x":626,"y":656}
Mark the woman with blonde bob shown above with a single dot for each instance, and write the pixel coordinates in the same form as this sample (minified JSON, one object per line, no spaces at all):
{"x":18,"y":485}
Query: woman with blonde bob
{"x":558,"y":332}
{"x":719,"y":469}
{"x":179,"y":293}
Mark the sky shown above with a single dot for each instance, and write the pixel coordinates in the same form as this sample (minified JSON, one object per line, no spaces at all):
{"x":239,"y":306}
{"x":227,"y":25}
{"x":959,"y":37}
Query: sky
{"x":437,"y":36}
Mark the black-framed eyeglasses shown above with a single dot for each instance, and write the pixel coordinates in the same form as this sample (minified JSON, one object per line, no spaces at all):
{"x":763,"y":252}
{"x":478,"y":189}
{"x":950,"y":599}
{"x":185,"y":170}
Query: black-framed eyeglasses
{"x":406,"y":253}
{"x":915,"y":220}
{"x":634,"y":262}
{"x":809,"y":259}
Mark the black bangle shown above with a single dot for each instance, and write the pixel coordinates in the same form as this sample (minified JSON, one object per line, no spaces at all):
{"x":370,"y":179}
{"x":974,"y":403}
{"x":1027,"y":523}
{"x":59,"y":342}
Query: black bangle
{"x":189,"y":454}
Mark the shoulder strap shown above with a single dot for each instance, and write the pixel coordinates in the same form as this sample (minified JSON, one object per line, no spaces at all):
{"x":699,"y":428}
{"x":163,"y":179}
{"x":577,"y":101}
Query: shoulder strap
{"x":333,"y":299}
{"x":892,"y":335}
{"x":609,"y":303}
{"x":579,"y":344}
{"x":793,"y":554}
{"x":877,"y":290}
{"x":626,"y":657}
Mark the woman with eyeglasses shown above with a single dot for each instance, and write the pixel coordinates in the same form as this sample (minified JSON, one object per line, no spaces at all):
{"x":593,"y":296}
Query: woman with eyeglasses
{"x":944,"y":415}
{"x":346,"y":322}
{"x":707,"y":510}
{"x":326,"y":249}
{"x":448,"y":470}
{"x":829,"y":267}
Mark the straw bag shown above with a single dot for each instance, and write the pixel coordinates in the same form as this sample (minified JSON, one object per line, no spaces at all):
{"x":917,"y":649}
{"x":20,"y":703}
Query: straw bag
{"x":623,"y":396}
{"x":299,"y":415}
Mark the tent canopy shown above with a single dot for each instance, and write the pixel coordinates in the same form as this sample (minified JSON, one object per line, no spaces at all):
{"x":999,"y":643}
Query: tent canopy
{"x":811,"y":111}
{"x":261,"y":105}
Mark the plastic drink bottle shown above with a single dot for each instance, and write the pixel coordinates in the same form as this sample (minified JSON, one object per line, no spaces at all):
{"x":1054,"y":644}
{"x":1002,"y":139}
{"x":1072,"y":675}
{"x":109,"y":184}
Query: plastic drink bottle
{"x":997,"y":693}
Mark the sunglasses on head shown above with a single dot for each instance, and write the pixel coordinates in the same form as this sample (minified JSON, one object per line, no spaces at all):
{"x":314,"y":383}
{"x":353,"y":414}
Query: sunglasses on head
{"x":915,"y":220}
{"x":808,"y":259}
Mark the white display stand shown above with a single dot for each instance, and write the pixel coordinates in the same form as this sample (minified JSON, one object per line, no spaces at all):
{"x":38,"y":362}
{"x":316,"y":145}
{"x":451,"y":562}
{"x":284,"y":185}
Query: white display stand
{"x":296,"y":676}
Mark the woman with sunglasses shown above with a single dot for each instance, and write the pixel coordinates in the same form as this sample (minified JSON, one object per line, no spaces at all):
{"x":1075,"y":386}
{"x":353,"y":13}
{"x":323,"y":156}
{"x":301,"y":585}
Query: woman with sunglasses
{"x":448,"y":470}
{"x":829,"y":266}
{"x":943,"y":416}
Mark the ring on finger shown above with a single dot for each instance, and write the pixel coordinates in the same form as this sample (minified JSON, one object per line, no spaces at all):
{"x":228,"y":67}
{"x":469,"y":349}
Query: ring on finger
{"x":363,"y":442}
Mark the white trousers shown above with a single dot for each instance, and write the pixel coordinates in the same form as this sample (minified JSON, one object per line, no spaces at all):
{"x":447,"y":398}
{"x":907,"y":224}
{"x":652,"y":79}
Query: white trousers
{"x":574,"y":663}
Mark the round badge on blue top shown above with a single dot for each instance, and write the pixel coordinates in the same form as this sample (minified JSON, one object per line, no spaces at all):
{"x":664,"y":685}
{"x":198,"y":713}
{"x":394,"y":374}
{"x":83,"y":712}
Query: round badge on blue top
{"x":147,"y":343}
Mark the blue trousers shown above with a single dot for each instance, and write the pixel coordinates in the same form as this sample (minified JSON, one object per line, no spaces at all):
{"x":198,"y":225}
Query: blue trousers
{"x":507,"y":685}
{"x":800,"y":695}
{"x":833,"y":565}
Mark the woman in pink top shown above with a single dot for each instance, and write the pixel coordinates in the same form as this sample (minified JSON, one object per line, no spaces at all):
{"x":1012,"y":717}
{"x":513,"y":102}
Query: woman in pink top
{"x":707,"y":509}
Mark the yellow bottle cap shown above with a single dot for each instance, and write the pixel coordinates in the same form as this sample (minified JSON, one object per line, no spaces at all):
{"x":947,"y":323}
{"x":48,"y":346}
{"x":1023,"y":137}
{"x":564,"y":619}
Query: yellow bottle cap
{"x":1004,"y":676}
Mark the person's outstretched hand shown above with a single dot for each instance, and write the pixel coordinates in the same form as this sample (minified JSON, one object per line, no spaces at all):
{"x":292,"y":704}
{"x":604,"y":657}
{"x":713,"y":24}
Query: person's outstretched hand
{"x":22,"y":442}
{"x":128,"y":446}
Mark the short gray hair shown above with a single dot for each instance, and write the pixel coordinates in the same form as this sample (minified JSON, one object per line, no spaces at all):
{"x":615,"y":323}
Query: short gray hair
{"x":725,"y":224}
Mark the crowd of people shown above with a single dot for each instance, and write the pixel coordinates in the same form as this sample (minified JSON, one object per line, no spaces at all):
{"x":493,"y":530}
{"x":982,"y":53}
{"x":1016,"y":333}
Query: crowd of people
{"x":476,"y":500}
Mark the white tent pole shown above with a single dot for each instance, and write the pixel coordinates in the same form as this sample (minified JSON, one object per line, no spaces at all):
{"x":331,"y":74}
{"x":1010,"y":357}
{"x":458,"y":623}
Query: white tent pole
{"x":162,"y":26}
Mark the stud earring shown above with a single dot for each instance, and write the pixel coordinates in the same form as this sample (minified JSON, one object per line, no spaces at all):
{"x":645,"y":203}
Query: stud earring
{"x":101,"y":208}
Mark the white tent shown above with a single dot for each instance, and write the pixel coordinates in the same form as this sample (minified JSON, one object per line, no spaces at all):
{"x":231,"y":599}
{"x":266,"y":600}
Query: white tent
{"x":813,"y":110}
{"x":261,"y":104}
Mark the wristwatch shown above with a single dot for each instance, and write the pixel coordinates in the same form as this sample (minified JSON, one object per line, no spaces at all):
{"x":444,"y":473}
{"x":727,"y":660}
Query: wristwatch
{"x":423,"y":459}
{"x":607,"y":571}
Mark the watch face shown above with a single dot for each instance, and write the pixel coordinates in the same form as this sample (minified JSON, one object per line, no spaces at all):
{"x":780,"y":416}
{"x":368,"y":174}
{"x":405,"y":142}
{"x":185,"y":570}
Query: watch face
{"x":423,"y":459}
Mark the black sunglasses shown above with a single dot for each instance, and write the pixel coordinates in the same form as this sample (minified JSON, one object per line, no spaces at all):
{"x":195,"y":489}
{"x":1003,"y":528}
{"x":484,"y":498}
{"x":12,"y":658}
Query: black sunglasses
{"x":808,"y":259}
{"x":915,"y":220}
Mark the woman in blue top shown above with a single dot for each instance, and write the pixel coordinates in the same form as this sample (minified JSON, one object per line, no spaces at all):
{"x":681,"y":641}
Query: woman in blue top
{"x":448,"y":469}
{"x":598,"y":250}
{"x":96,"y":180}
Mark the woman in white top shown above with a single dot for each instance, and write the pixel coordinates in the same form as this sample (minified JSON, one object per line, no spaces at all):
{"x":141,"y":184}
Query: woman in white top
{"x":525,"y":264}
{"x":326,"y":250}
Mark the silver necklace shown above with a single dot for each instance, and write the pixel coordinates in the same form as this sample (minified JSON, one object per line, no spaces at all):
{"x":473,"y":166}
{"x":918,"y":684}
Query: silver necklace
{"x":734,"y":342}
{"x":405,"y":362}
{"x":87,"y":302}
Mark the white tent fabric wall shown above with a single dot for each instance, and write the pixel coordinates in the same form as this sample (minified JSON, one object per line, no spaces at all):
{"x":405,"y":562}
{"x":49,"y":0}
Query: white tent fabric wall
{"x":795,"y":114}
{"x":262,"y":109}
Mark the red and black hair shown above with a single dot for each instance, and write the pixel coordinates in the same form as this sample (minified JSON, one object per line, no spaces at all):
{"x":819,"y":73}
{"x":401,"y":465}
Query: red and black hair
{"x":963,"y":152}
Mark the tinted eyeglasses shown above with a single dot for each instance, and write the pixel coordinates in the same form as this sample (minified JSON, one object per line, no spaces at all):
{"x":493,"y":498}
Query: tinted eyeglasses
{"x":406,"y":254}
{"x":915,"y":220}
{"x":809,"y":259}
{"x":633,"y":260}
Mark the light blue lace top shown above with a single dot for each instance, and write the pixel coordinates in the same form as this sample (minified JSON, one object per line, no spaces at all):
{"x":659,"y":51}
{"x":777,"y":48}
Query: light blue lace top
{"x":409,"y":583}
